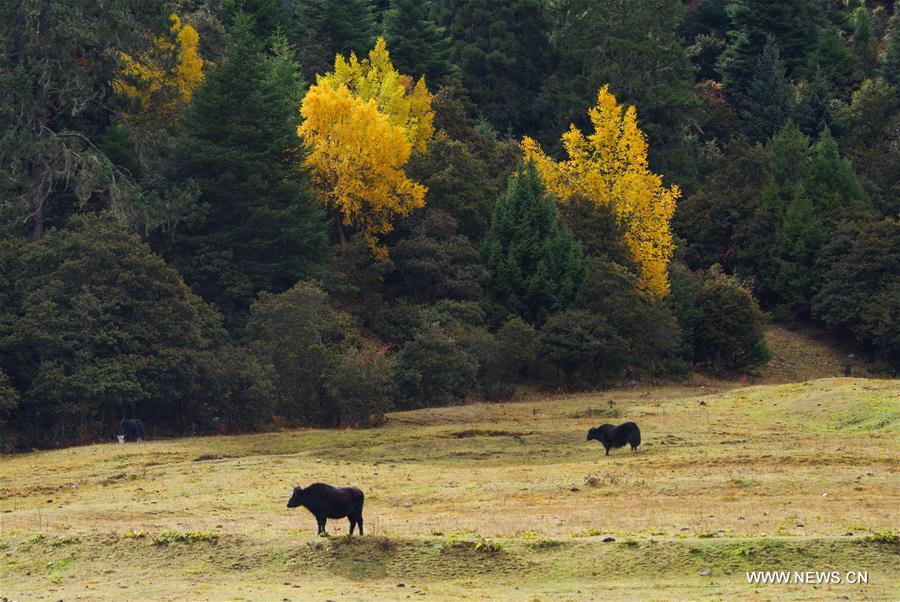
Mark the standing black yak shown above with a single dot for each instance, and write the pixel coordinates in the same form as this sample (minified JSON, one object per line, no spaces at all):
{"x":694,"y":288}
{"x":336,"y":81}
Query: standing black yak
{"x":616,"y":436}
{"x":325,"y":501}
{"x":130,"y":431}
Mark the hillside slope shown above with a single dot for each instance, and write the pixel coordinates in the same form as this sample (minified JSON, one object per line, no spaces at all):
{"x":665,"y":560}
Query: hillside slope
{"x":487,"y":501}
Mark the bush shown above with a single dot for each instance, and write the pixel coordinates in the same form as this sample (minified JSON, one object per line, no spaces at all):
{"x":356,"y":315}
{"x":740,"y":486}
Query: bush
{"x":859,"y":285}
{"x":435,"y":262}
{"x":303,"y":337}
{"x":505,"y":357}
{"x":238,"y":391}
{"x":99,"y":328}
{"x":397,"y":324}
{"x":433,"y":370}
{"x":647,"y":327}
{"x":361,"y":386}
{"x":446,"y":312}
{"x":729,"y":335}
{"x":583,"y":346}
{"x":9,"y":399}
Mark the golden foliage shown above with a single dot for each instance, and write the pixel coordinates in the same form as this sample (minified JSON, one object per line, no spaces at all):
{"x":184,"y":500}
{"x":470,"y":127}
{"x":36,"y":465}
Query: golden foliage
{"x":358,"y":158}
{"x":609,"y":166}
{"x":406,"y":106}
{"x":164,"y":79}
{"x":361,"y":122}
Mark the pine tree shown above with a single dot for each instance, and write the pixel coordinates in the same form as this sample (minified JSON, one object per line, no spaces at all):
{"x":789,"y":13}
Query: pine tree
{"x":536,"y":264}
{"x":797,"y":245}
{"x":269,"y":16}
{"x":835,"y":61}
{"x":503,"y":51}
{"x":890,"y":64}
{"x":418,"y":45}
{"x":635,"y":48}
{"x":831,"y":180}
{"x":865,"y":44}
{"x":813,"y":112}
{"x":330,"y":27}
{"x":791,"y":24}
{"x":239,"y":144}
{"x":768,"y":103}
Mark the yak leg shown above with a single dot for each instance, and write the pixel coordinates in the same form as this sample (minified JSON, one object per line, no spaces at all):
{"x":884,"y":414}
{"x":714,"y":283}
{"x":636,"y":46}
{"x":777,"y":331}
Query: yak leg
{"x":359,"y":522}
{"x":352,"y":524}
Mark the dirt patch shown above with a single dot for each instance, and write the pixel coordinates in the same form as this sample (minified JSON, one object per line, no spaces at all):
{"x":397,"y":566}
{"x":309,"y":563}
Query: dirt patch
{"x":487,"y":433}
{"x":610,"y":412}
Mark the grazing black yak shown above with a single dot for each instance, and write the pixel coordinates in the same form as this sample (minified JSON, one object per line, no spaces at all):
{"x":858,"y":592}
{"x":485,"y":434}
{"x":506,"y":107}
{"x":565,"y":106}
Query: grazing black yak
{"x":325,"y":502}
{"x":616,"y":436}
{"x":130,"y":431}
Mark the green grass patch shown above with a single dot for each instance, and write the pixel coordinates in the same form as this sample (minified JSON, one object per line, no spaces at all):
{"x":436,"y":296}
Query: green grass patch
{"x":169,"y":537}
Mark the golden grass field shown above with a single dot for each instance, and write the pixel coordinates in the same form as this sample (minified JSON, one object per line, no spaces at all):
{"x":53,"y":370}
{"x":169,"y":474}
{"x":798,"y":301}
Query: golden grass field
{"x":482,"y":502}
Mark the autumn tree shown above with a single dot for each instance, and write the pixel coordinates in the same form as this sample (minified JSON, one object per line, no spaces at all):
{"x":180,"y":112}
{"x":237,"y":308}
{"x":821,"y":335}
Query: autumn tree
{"x":361,"y":123}
{"x":163,"y":79}
{"x":609,"y":167}
{"x":405,"y":103}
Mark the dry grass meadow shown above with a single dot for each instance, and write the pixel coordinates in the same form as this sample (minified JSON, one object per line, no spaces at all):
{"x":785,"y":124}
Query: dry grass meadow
{"x":482,"y":502}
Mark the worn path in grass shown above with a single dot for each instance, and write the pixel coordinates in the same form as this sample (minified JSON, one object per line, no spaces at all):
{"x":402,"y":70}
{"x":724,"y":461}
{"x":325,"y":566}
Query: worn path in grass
{"x":502,"y":501}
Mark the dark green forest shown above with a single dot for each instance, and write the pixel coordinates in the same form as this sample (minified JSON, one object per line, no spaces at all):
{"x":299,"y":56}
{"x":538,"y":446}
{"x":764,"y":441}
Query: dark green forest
{"x":209,"y":223}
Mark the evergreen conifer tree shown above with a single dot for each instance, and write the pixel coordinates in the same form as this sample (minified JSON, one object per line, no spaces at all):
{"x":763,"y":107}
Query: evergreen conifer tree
{"x":536,"y":264}
{"x":262,"y":231}
{"x":768,"y":103}
{"x":418,"y":45}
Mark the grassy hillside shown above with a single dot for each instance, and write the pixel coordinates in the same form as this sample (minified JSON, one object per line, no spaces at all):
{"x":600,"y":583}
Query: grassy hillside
{"x":481,"y":502}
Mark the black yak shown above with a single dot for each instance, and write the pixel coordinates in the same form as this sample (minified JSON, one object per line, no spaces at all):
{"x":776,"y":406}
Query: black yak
{"x":130,"y":431}
{"x":325,"y":501}
{"x":613,"y":437}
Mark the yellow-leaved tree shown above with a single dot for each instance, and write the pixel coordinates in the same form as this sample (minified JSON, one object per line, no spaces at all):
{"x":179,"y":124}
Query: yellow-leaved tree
{"x":609,"y":167}
{"x":361,"y":122}
{"x":407,"y":105}
{"x":164,"y":78}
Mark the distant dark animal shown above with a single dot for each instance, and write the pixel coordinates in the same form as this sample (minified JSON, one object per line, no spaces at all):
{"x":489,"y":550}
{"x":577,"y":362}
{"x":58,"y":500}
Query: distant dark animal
{"x":130,"y":431}
{"x":325,"y":501}
{"x":613,"y":437}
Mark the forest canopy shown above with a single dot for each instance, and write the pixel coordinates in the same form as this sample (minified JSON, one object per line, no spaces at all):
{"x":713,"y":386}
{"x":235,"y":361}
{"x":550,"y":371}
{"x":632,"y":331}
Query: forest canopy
{"x":222,"y":216}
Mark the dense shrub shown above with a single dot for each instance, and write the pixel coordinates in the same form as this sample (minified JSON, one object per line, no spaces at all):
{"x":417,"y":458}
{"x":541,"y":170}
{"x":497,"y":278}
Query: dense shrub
{"x":647,"y":327}
{"x":433,"y":370}
{"x":303,"y":337}
{"x":398,"y":324}
{"x":238,"y":392}
{"x":95,"y":327}
{"x":729,"y":333}
{"x":361,"y":386}
{"x":583,"y":346}
{"x":435,"y":262}
{"x":859,"y":285}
